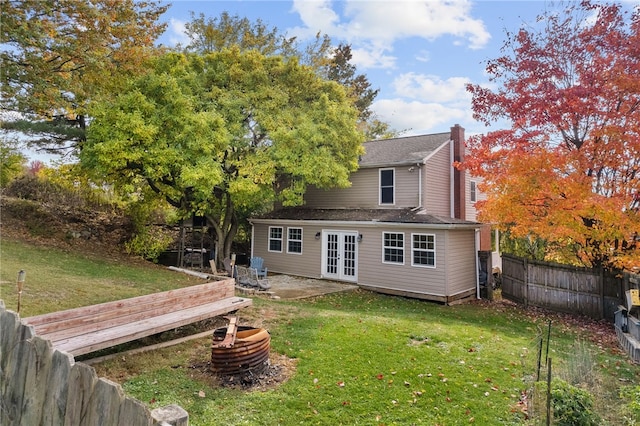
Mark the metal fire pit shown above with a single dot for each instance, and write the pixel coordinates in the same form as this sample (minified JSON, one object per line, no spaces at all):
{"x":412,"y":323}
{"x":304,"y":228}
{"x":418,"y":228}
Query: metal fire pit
{"x":238,"y":350}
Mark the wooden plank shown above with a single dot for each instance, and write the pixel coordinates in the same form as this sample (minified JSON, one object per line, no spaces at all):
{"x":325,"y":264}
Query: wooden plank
{"x":134,"y":412}
{"x":55,"y":402}
{"x":104,"y":408}
{"x":82,"y":380}
{"x":101,"y":339}
{"x":129,"y":313}
{"x":222,"y":288}
{"x":230,"y":337}
{"x":153,"y":347}
{"x":227,"y":286}
{"x":39,"y":367}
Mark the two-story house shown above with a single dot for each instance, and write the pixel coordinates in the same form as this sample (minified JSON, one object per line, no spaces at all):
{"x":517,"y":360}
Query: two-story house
{"x":406,"y":226}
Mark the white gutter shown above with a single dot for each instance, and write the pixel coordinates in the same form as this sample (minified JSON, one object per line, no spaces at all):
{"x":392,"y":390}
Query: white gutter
{"x":363,"y":224}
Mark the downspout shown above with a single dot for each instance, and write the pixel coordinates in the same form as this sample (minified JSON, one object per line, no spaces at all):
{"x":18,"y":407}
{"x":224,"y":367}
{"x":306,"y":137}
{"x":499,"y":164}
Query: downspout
{"x":253,"y":229}
{"x":476,"y":246}
{"x":419,"y":184}
{"x":411,"y":169}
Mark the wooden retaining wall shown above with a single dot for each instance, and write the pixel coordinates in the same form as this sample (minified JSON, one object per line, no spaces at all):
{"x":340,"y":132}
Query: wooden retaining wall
{"x":43,"y":386}
{"x":564,"y":288}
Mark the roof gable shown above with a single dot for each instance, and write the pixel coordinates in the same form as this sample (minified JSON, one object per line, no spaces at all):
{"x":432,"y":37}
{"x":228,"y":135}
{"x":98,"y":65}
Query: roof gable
{"x":401,"y":151}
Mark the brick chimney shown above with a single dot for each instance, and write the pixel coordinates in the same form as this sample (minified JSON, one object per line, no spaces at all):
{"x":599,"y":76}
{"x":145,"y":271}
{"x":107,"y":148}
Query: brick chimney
{"x":459,"y":181}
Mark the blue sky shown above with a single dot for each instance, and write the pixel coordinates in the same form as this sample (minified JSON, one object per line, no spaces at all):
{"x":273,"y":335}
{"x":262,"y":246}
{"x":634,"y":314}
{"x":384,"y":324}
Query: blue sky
{"x":420,"y":54}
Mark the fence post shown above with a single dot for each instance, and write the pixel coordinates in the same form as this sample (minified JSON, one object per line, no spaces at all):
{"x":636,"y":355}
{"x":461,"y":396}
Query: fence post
{"x":549,"y":394}
{"x":170,"y":415}
{"x":601,"y":284}
{"x":525,"y":279}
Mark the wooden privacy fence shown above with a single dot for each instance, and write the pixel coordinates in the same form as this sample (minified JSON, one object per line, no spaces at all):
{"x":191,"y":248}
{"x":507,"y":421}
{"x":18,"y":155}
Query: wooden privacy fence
{"x":40,"y":385}
{"x":563,"y":288}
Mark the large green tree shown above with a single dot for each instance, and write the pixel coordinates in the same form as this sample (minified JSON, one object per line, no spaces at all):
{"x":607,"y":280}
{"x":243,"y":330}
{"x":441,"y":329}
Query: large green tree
{"x":211,"y":34}
{"x":339,"y":68}
{"x":58,"y":54}
{"x":225,"y":133}
{"x":12,"y":162}
{"x":567,"y":170}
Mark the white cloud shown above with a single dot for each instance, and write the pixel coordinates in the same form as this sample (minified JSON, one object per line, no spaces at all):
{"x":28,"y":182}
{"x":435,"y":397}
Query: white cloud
{"x":177,"y":32}
{"x":432,"y":88}
{"x":317,"y":16}
{"x":388,"y":21}
{"x":415,"y":117}
{"x":372,"y":58}
{"x":423,"y":56}
{"x":375,"y":26}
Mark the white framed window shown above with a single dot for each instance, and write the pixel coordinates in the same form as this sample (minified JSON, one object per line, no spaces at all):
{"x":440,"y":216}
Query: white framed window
{"x":387,"y":186}
{"x":423,"y":250}
{"x":393,"y":247}
{"x":275,"y":238}
{"x":472,"y":191}
{"x":294,"y":240}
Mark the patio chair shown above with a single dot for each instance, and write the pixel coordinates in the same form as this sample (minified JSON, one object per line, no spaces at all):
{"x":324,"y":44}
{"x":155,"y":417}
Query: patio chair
{"x":248,"y":277}
{"x":242,"y":276}
{"x":258,"y":264}
{"x":255,"y":280}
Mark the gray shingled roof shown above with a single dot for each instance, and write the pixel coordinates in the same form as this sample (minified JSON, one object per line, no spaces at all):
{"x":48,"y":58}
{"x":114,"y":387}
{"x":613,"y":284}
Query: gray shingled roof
{"x":405,"y":215}
{"x":401,"y":151}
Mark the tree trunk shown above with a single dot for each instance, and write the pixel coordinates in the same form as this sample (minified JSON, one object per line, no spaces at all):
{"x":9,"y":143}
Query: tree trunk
{"x":226,"y":228}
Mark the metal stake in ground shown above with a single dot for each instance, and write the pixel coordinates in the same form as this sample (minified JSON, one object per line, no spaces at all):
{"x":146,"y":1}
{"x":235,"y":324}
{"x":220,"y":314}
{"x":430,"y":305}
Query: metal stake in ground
{"x":21,"y":277}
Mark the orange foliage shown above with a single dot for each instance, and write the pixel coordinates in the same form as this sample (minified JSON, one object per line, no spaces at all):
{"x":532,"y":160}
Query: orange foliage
{"x":568,"y":169}
{"x":60,"y":53}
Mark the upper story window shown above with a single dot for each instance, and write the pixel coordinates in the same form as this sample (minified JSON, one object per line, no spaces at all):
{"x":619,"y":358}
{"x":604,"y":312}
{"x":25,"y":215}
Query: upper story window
{"x":387,"y":186}
{"x":294,"y":240}
{"x":275,"y":238}
{"x":423,"y":250}
{"x":393,"y":247}
{"x":472,"y":191}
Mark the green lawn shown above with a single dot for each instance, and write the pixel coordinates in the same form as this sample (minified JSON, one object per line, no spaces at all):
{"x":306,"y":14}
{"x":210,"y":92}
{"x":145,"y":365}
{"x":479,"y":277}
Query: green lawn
{"x":360,"y":357}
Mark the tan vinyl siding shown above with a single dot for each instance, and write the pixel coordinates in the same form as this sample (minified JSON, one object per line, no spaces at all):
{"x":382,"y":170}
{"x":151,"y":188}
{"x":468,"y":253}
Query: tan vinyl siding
{"x":374,"y":273}
{"x":471,"y":211}
{"x":407,"y":186}
{"x":436,"y":187}
{"x":306,"y":264}
{"x":364,"y":191}
{"x":461,"y":269}
{"x":453,"y":273}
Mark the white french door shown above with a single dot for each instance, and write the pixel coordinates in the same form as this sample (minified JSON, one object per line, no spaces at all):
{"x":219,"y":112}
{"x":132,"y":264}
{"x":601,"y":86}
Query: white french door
{"x":340,"y":255}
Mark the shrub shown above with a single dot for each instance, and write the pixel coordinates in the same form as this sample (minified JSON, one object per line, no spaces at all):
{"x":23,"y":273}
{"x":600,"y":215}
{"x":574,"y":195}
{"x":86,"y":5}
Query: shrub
{"x":632,"y":414}
{"x":11,"y":162}
{"x":571,"y":405}
{"x":149,"y":242}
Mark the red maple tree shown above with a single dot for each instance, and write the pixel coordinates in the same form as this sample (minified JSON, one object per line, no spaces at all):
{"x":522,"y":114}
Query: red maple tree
{"x":567,"y":167}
